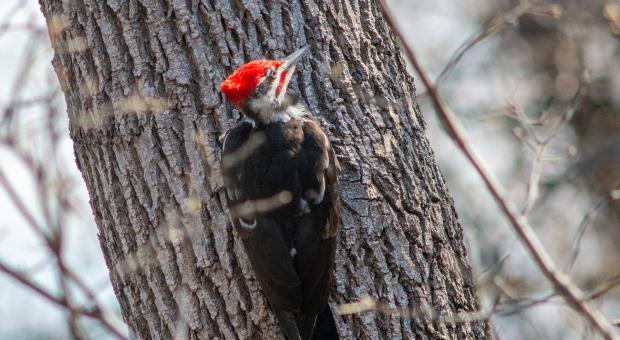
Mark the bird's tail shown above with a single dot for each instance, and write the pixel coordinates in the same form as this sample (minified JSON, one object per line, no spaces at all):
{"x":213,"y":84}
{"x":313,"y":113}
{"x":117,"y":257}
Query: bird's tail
{"x":288,"y":324}
{"x":325,"y":327}
{"x":301,"y":327}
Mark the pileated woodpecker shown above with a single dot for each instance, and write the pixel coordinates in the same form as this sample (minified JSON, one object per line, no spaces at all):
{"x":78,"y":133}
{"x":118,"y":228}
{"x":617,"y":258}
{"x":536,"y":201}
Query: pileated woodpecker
{"x":279,"y":171}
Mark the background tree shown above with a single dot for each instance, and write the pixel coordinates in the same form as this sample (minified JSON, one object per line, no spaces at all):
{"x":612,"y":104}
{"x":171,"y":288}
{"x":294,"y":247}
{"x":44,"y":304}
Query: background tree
{"x":140,"y":80}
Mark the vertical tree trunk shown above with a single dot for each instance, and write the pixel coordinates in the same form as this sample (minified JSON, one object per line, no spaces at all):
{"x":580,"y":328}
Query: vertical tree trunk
{"x":141,"y":80}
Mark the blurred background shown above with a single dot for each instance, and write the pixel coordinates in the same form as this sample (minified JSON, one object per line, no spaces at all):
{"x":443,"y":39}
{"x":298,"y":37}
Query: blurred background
{"x":537,"y":88}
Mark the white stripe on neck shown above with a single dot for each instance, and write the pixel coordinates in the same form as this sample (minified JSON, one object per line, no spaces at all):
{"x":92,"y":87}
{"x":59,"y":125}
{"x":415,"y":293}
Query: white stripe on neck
{"x":268,"y":115}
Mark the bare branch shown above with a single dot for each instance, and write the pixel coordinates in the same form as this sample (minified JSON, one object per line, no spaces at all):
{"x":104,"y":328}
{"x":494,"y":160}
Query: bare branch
{"x":611,"y":284}
{"x":496,"y":25}
{"x":519,"y":223}
{"x":583,"y":226}
{"x":93,"y":313}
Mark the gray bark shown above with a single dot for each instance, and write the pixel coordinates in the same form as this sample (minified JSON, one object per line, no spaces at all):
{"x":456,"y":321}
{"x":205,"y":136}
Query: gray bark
{"x":141,"y":81}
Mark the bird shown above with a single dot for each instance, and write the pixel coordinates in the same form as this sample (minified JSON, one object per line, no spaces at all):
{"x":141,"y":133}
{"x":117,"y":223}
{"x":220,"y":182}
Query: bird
{"x":280,"y":174}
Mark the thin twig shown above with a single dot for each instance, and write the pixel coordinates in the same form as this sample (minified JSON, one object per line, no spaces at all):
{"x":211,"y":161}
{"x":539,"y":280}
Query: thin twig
{"x":47,"y":220}
{"x":611,"y":284}
{"x":495,"y":26}
{"x":583,"y":226}
{"x":519,"y":305}
{"x":519,"y":223}
{"x":92,"y":313}
{"x":541,"y":145}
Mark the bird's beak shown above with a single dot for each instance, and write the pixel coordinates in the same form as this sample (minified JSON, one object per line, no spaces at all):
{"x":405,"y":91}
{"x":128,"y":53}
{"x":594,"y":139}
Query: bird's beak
{"x":288,"y":63}
{"x":287,"y":67}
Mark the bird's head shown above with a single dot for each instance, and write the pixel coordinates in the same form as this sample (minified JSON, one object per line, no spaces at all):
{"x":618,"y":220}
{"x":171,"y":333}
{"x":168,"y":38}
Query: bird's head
{"x":259,"y":87}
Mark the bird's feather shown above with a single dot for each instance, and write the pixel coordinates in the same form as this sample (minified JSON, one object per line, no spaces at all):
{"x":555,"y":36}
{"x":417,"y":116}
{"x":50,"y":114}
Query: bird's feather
{"x":292,"y":247}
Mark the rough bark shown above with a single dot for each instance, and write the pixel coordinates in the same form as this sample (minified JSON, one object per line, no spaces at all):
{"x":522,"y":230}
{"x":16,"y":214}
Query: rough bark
{"x":141,"y":80}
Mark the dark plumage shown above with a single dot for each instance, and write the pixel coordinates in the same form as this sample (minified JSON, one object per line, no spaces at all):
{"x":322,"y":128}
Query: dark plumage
{"x":280,"y":172}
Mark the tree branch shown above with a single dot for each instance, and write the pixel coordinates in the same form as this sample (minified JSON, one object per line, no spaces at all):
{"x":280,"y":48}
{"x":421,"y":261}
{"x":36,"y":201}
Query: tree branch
{"x":93,"y":313}
{"x":519,"y":222}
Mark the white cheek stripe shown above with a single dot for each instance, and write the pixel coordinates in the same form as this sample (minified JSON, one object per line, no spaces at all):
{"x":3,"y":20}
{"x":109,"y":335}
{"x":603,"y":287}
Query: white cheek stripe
{"x":267,"y":114}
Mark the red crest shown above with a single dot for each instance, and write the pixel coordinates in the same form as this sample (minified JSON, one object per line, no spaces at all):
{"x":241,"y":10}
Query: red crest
{"x":240,"y":84}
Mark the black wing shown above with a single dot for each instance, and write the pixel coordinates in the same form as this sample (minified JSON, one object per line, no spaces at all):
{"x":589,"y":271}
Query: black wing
{"x":235,"y":142}
{"x":248,"y":164}
{"x":316,"y":232}
{"x":291,"y":247}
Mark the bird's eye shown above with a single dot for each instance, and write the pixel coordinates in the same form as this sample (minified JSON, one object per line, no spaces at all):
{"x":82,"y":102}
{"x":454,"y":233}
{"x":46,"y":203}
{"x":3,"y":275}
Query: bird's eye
{"x":270,"y":72}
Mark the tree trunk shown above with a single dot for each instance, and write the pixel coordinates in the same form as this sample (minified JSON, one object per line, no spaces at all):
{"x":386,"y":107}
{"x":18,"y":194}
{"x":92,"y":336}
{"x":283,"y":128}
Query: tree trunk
{"x":141,"y":81}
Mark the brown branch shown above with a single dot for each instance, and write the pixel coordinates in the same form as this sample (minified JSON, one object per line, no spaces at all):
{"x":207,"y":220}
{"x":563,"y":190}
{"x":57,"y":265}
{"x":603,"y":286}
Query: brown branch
{"x":519,"y":223}
{"x":611,"y":284}
{"x":50,"y":231}
{"x":44,"y":220}
{"x":93,"y":313}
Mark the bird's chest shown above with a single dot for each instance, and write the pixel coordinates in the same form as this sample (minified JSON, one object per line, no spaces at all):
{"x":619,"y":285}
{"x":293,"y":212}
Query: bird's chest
{"x":281,"y":138}
{"x":272,"y":165}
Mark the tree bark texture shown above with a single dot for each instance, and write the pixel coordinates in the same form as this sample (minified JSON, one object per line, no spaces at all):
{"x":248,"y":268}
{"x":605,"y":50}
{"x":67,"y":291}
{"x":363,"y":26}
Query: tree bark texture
{"x":141,"y":82}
